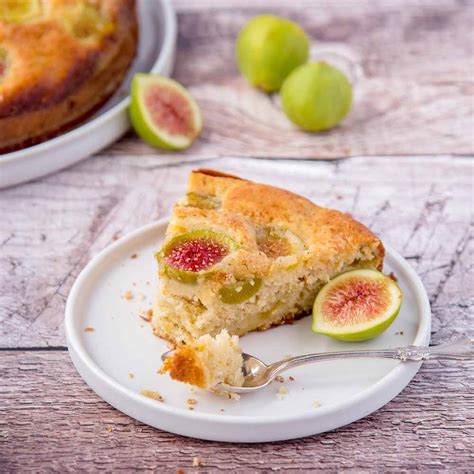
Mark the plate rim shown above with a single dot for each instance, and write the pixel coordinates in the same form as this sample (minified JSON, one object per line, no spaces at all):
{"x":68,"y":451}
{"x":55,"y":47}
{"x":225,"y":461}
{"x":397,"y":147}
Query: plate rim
{"x":399,"y":376}
{"x":76,"y":133}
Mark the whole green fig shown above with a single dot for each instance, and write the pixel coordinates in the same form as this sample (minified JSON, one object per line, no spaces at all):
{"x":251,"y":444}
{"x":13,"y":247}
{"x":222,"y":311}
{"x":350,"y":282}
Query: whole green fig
{"x":316,"y":97}
{"x":268,"y":49}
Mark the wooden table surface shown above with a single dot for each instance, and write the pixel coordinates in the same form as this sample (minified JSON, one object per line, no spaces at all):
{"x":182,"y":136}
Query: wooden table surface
{"x":404,"y":168}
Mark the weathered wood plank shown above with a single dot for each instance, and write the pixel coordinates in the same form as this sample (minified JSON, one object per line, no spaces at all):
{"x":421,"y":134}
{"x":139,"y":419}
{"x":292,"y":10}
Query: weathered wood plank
{"x":412,"y":62}
{"x":52,"y":227}
{"x":50,"y":420}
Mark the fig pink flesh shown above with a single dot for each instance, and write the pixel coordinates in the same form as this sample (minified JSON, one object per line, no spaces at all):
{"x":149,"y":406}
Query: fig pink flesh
{"x":355,"y":301}
{"x":196,"y":255}
{"x":169,"y":110}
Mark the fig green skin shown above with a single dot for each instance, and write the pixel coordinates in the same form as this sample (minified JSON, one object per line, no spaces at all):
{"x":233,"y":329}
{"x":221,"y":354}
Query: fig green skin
{"x":85,"y":21}
{"x":229,"y":295}
{"x":3,"y":63}
{"x":370,"y":332}
{"x":20,"y":12}
{"x":203,"y":202}
{"x":268,"y":49}
{"x":184,"y":276}
{"x":316,"y":97}
{"x":142,"y":125}
{"x":363,"y":335}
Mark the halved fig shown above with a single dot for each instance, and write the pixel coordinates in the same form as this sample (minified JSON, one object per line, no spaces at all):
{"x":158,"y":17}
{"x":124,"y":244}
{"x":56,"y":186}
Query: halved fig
{"x":277,"y":242}
{"x":356,"y":305}
{"x":264,"y":315}
{"x":203,"y":201}
{"x":274,"y":246}
{"x":163,"y":113}
{"x":236,"y":293}
{"x":85,"y":21}
{"x":194,"y":254}
{"x":18,"y":11}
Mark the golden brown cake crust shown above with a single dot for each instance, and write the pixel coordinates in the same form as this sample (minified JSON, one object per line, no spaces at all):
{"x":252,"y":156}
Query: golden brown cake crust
{"x":325,"y":231}
{"x":286,"y":248}
{"x":54,"y":78}
{"x":184,"y":367}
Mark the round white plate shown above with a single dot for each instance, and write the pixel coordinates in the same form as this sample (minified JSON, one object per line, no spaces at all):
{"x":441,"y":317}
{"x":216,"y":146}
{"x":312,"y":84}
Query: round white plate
{"x":156,"y":49}
{"x":123,"y":344}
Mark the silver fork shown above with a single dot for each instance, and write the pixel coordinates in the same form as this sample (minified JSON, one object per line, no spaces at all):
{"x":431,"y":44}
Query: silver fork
{"x":257,"y":374}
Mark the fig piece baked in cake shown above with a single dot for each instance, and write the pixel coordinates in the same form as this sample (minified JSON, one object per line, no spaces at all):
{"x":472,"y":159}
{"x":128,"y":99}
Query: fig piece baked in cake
{"x":60,"y":60}
{"x":207,"y":362}
{"x":244,"y":256}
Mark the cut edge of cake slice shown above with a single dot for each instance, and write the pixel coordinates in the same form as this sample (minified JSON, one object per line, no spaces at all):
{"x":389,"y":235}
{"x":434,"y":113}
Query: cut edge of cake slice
{"x":267,"y":252}
{"x":207,"y":362}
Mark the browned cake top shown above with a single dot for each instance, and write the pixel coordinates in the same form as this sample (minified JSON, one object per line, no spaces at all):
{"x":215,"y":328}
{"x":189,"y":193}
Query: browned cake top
{"x":248,"y":210}
{"x":51,"y":49}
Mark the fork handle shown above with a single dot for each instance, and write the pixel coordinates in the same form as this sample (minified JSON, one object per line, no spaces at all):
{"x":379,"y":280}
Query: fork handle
{"x":461,"y":349}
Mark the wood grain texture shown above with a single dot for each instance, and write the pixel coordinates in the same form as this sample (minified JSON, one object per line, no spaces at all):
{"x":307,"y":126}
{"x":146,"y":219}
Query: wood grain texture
{"x":47,"y":410}
{"x":412,"y":63}
{"x":50,"y":420}
{"x":51,"y":228}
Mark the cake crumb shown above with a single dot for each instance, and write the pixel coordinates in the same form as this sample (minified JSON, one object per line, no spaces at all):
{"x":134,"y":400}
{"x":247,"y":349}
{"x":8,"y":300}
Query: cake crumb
{"x":279,"y":378}
{"x":127,"y":295}
{"x":291,"y":378}
{"x":152,"y":394}
{"x":233,"y":396}
{"x":146,"y":315}
{"x":109,"y":428}
{"x":288,"y":356}
{"x":192,"y":401}
{"x":115,"y":236}
{"x":89,"y":329}
{"x":399,"y":333}
{"x":142,"y":296}
{"x":191,"y":408}
{"x":282,"y":392}
{"x":393,"y":276}
{"x":222,"y":409}
{"x":197,"y":461}
{"x":134,"y":255}
{"x":130,"y":375}
{"x":316,"y":404}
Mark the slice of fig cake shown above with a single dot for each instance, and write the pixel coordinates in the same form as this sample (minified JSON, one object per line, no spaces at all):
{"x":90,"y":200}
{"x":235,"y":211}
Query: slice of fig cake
{"x":242,"y":256}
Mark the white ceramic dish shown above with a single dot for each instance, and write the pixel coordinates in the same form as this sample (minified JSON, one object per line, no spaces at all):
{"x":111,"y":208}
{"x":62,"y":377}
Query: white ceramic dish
{"x":122,"y":343}
{"x":156,"y":49}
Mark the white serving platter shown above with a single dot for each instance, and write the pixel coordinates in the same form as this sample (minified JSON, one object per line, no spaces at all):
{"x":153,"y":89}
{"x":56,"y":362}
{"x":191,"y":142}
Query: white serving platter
{"x":123,"y":344}
{"x":156,"y":50}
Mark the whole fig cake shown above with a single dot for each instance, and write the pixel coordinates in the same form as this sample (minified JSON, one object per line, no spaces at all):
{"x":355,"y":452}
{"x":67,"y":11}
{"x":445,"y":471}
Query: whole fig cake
{"x":60,"y":60}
